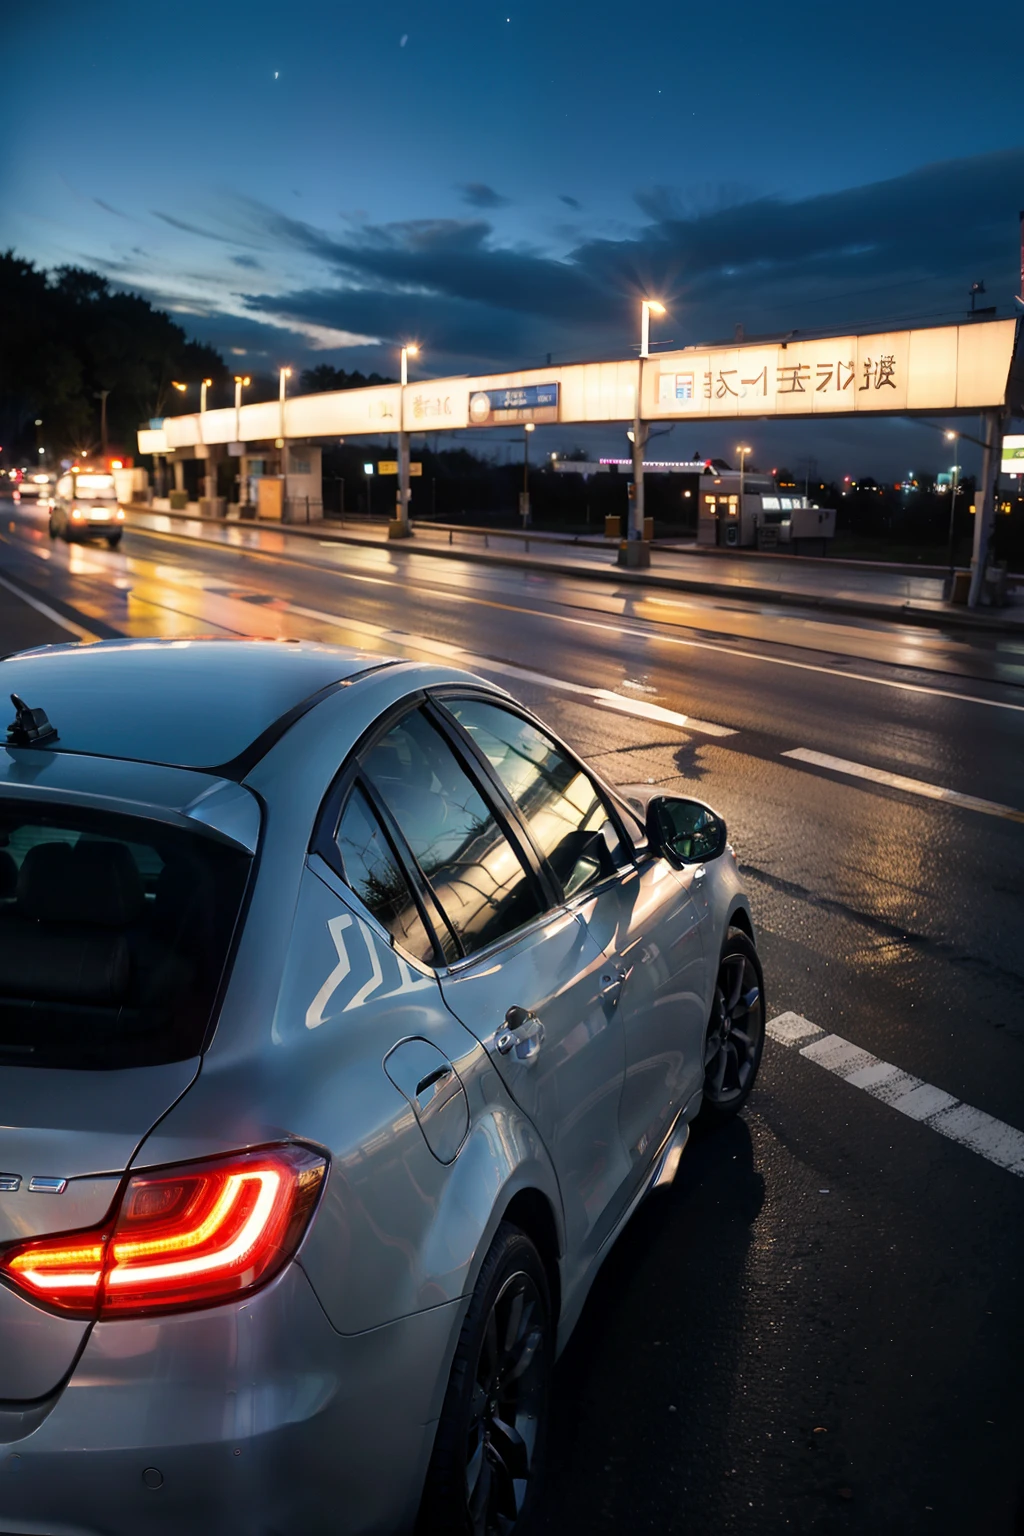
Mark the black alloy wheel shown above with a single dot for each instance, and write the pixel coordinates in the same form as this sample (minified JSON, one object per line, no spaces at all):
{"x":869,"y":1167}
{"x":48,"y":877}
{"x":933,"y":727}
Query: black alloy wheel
{"x":487,"y":1454}
{"x":735,"y":1037}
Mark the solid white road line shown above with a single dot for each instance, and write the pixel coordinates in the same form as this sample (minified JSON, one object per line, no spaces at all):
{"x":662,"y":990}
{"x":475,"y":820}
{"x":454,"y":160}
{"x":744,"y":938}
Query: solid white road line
{"x":992,"y":1139}
{"x":638,"y":634}
{"x":78,"y":630}
{"x":604,"y":697}
{"x":900,"y":781}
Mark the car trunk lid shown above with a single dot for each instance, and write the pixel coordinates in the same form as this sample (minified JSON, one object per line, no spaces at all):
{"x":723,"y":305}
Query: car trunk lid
{"x":66,"y":1139}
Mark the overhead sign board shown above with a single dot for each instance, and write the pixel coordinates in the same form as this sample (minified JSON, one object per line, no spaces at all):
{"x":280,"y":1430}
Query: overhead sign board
{"x":525,"y":402}
{"x":1013,"y":456}
{"x":945,"y":368}
{"x":390,"y":467}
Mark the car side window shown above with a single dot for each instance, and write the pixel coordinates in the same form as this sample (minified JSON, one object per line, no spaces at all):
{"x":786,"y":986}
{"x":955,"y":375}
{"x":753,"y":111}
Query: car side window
{"x":477,"y":876}
{"x":375,"y":875}
{"x":560,"y":804}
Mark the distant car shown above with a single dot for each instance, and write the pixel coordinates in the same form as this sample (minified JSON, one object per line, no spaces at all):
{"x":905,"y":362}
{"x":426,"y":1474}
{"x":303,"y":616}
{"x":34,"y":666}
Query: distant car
{"x":28,"y":485}
{"x":346,"y":1017}
{"x":84,"y":506}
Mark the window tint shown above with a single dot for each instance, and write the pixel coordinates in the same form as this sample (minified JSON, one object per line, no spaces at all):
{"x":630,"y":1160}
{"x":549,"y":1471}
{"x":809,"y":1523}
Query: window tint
{"x":476,"y":874}
{"x":374,"y":874}
{"x":565,"y":814}
{"x":113,"y":935}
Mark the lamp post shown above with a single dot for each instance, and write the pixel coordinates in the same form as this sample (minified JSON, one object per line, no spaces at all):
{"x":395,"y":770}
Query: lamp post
{"x":241,"y":382}
{"x":648,"y":307}
{"x":285,"y":374}
{"x":635,"y":551}
{"x":954,"y":488}
{"x":524,"y":500}
{"x":743,"y":452}
{"x":204,"y":386}
{"x":400,"y":527}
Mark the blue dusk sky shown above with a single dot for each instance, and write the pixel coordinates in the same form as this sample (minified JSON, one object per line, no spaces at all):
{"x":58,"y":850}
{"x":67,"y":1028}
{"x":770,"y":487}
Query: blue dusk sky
{"x":320,"y":182}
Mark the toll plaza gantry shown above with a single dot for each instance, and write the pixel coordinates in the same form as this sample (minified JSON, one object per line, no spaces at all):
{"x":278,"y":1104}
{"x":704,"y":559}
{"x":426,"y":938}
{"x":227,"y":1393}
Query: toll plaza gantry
{"x":975,"y":368}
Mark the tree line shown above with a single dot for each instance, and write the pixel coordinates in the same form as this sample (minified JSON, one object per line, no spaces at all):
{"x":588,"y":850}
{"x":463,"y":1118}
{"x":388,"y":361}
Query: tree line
{"x":68,"y":339}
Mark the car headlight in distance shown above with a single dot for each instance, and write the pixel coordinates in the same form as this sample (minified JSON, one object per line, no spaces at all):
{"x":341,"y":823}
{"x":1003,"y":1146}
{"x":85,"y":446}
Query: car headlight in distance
{"x":120,"y":514}
{"x":76,"y":514}
{"x":179,"y":1237}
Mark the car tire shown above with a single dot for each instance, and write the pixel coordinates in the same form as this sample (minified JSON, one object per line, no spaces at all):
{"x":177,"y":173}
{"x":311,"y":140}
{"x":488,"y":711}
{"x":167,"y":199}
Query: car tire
{"x":488,"y":1452}
{"x":734,"y":1041}
{"x":51,"y":530}
{"x":113,"y":540}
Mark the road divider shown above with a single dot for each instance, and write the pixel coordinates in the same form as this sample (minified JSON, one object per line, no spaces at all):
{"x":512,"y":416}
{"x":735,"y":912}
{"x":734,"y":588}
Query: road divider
{"x":901,"y":782}
{"x":940,"y":1111}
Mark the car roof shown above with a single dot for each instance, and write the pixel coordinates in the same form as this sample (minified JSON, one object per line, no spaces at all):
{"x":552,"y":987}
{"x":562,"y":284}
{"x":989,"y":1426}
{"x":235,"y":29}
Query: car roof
{"x":206,"y":704}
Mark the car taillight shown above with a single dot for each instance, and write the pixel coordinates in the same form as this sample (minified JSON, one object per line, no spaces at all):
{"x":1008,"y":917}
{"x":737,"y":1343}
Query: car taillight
{"x":178,"y":1237}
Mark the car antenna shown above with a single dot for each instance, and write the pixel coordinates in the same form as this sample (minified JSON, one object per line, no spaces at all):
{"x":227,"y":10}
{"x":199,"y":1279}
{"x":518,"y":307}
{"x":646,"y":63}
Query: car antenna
{"x":30,"y":727}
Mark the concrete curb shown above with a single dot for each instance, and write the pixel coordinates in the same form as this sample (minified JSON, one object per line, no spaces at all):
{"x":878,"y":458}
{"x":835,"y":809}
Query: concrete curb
{"x":618,"y":576}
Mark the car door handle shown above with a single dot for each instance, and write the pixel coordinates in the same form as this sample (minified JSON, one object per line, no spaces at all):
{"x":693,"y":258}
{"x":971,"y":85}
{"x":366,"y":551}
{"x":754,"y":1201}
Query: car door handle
{"x":699,"y":873}
{"x":523,"y":1034}
{"x":611,"y":986}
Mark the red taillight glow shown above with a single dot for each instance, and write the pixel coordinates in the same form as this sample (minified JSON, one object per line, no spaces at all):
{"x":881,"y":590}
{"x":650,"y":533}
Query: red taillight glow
{"x":178,"y":1237}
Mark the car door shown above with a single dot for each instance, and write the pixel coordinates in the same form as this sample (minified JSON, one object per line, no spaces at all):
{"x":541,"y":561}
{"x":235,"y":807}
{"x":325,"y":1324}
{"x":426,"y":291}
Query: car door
{"x":523,"y":973}
{"x":639,"y":911}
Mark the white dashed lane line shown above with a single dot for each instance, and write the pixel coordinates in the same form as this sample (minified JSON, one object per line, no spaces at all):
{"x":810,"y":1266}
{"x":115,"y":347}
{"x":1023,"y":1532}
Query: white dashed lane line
{"x":992,"y":1139}
{"x":900,"y":781}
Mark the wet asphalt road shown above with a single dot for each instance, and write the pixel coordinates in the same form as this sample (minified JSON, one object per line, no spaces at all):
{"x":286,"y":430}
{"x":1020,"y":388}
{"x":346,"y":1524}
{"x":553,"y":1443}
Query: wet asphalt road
{"x":820,"y":1327}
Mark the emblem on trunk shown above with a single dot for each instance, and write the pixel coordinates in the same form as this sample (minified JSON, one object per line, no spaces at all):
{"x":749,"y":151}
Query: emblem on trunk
{"x":9,"y":1182}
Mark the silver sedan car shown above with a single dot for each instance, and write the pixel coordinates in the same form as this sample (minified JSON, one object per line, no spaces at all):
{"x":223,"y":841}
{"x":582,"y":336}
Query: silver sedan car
{"x":345,"y":1018}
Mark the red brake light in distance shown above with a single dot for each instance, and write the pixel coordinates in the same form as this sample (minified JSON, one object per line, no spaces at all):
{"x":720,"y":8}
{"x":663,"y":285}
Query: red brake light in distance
{"x":179,"y":1237}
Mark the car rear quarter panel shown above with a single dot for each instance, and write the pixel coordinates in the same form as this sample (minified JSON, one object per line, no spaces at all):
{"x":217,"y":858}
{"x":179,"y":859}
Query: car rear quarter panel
{"x":396,"y":1231}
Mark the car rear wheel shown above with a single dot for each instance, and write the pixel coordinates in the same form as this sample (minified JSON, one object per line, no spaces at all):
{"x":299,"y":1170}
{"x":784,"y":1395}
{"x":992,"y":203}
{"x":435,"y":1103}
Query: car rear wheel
{"x":484,"y":1470}
{"x":735,"y":1035}
{"x":113,"y":539}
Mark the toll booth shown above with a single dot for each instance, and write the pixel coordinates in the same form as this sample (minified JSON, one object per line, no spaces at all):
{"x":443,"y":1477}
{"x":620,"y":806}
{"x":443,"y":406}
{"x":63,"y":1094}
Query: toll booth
{"x":759,"y":516}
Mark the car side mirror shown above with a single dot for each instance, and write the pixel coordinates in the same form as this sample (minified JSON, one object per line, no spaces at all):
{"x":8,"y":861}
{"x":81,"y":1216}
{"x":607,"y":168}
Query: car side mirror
{"x":685,"y":831}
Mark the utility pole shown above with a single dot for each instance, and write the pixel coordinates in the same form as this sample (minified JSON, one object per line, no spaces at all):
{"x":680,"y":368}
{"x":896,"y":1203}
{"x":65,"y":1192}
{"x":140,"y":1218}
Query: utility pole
{"x":524,"y":499}
{"x":985,"y":498}
{"x":102,"y":398}
{"x":400,"y":526}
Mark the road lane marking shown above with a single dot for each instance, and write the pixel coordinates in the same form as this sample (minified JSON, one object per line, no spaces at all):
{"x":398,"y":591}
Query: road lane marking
{"x":992,"y":1139}
{"x":605,"y":697}
{"x":336,"y":568}
{"x":900,"y":781}
{"x":78,"y":630}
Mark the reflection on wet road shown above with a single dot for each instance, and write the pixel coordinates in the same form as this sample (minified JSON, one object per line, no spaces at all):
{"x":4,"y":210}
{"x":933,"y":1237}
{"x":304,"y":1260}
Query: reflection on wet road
{"x":819,"y":1328}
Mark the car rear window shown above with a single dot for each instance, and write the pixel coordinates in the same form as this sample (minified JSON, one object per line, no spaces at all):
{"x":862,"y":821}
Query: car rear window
{"x":114,"y":932}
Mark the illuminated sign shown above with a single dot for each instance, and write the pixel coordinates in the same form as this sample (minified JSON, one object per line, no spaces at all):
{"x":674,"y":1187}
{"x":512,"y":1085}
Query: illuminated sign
{"x":525,"y":402}
{"x":1013,"y":456}
{"x":945,"y":368}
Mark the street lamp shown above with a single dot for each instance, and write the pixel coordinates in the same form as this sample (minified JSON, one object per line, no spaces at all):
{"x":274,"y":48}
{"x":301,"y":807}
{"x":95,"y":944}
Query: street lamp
{"x":524,"y":500}
{"x":409,"y":350}
{"x":951,"y":437}
{"x":204,"y":386}
{"x":242,"y":381}
{"x":400,"y":528}
{"x":285,"y":375}
{"x":743,"y":452}
{"x":648,"y":307}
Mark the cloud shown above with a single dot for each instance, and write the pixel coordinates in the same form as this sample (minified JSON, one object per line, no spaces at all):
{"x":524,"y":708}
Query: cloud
{"x":894,"y":251}
{"x":570,"y":202}
{"x":249,"y":262}
{"x":190,"y":229}
{"x":479,"y":195}
{"x":108,"y":209}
